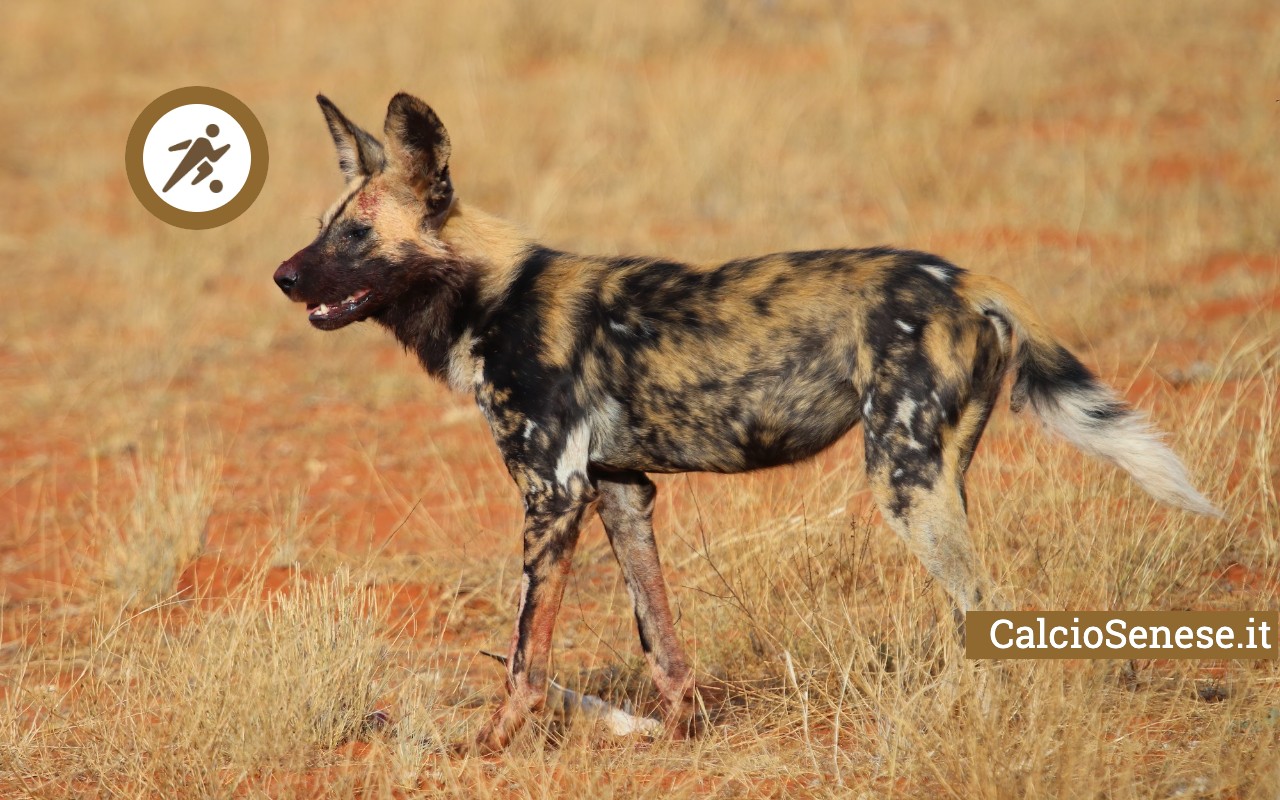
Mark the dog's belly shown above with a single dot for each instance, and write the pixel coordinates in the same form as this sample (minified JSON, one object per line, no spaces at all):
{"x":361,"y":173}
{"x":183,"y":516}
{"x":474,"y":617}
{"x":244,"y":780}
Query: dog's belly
{"x":731,"y":426}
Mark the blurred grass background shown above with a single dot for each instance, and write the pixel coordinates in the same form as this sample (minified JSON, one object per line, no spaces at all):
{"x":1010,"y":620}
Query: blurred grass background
{"x":172,"y":430}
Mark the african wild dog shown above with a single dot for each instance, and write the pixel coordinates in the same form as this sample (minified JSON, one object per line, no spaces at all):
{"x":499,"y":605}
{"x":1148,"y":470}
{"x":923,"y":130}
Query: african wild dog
{"x":593,"y":371}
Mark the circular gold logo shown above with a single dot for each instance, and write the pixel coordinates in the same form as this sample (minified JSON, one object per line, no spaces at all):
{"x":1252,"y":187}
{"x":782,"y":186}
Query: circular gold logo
{"x":196,"y":157}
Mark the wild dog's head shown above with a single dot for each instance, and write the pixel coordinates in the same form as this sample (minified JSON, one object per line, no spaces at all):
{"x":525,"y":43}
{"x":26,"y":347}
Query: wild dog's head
{"x":379,"y":247}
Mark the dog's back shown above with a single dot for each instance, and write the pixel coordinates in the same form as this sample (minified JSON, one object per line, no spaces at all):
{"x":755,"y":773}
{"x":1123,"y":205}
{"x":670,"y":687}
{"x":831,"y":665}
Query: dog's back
{"x":727,"y":367}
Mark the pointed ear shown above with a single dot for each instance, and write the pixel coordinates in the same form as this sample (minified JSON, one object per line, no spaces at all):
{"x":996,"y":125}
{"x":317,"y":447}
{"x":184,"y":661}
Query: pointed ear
{"x":419,"y":146}
{"x":359,"y":154}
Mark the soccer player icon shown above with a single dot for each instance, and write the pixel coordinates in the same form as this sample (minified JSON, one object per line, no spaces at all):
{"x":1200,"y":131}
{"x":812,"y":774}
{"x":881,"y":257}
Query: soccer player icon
{"x":199,"y":155}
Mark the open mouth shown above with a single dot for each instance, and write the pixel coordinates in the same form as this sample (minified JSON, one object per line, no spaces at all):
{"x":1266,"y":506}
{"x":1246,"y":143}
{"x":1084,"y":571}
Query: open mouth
{"x":329,"y":316}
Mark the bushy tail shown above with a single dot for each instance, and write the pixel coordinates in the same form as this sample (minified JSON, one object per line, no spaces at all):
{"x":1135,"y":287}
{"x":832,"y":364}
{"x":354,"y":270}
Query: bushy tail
{"x":1071,"y":400}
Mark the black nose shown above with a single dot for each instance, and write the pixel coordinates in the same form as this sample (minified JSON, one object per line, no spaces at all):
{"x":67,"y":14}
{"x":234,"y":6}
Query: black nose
{"x":286,"y":277}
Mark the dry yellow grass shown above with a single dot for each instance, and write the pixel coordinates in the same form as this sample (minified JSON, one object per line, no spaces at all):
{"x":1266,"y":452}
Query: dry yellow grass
{"x":163,"y":531}
{"x":226,"y":539}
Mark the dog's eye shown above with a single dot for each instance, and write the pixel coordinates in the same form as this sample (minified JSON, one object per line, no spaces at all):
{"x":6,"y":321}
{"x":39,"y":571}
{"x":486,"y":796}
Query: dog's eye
{"x":358,"y":233}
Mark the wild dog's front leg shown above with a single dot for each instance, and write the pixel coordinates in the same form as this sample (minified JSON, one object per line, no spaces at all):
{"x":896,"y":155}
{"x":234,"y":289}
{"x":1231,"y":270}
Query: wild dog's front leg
{"x":626,"y":508}
{"x":553,"y":517}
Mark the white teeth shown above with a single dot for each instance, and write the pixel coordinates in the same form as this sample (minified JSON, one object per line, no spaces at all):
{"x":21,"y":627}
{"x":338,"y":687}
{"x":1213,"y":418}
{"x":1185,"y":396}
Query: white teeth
{"x":324,"y":309}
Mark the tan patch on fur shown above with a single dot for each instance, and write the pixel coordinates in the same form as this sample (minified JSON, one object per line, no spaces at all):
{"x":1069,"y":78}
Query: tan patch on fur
{"x":494,"y":245}
{"x":986,"y":292}
{"x":396,"y":216}
{"x":950,"y":358}
{"x":566,"y":283}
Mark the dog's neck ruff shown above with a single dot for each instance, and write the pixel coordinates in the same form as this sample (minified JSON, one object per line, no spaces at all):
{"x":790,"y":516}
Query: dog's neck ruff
{"x":491,"y":248}
{"x":481,"y":257}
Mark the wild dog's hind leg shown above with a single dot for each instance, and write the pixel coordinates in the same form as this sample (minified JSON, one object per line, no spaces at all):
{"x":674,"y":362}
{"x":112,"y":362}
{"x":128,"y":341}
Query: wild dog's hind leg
{"x":626,"y":508}
{"x":922,"y":426}
{"x":553,"y":518}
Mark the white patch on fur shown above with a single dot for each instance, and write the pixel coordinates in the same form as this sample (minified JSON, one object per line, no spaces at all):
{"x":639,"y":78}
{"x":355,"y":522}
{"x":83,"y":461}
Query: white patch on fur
{"x":866,"y":407}
{"x":937,"y":272}
{"x":906,"y":410}
{"x":465,"y":368}
{"x":524,"y":594}
{"x":573,"y":459}
{"x":604,"y":420}
{"x":1002,"y":330}
{"x":1128,"y":441}
{"x":529,"y":428}
{"x":904,"y":326}
{"x":619,"y":327}
{"x":899,"y":472}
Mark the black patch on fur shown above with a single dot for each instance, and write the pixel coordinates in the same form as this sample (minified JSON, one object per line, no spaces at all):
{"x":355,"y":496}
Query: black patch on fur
{"x":1046,"y":373}
{"x":432,"y":301}
{"x":644,"y":638}
{"x":510,"y":340}
{"x":827,"y":258}
{"x":425,"y":142}
{"x":525,"y":620}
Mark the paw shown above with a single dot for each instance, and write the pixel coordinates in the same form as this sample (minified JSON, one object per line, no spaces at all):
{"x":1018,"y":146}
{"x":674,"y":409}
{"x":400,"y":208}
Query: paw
{"x":686,"y":722}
